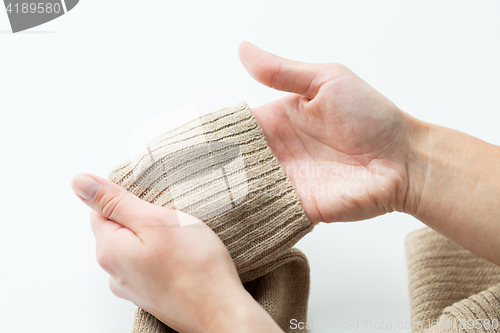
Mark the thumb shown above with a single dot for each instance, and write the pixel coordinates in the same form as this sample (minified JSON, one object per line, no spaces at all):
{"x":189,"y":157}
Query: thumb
{"x":114,"y":202}
{"x":283,"y":74}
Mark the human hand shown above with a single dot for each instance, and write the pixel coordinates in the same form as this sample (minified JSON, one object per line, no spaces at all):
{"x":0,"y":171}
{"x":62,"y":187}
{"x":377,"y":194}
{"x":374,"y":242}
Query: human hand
{"x":184,"y":276}
{"x":344,"y":146}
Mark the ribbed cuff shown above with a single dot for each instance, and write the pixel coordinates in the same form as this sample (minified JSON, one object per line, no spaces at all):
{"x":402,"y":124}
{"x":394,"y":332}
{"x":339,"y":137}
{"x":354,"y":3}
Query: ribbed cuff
{"x":282,"y":289}
{"x":449,"y":284}
{"x":483,"y":310}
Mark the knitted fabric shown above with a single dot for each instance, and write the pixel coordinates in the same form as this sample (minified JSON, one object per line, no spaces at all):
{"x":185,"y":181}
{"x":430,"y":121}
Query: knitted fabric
{"x":282,"y":288}
{"x":451,"y":289}
{"x":220,"y":169}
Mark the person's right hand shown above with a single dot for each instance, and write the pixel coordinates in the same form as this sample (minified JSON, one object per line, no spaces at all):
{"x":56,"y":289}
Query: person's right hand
{"x":184,"y":276}
{"x":344,"y":146}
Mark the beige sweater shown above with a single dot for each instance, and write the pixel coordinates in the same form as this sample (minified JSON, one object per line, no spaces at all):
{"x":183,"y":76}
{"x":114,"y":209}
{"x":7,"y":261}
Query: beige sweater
{"x":451,"y":289}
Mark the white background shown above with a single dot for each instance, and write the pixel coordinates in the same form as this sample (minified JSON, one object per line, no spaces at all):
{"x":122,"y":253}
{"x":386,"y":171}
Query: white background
{"x":73,"y":89}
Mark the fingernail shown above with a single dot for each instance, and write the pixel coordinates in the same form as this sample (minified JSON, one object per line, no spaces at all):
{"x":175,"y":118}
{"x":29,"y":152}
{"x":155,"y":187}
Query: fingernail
{"x":85,"y":186}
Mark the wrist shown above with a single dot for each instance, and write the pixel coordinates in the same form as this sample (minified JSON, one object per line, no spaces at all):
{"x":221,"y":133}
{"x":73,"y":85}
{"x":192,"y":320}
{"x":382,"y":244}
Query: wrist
{"x":242,"y":314}
{"x":417,"y":163}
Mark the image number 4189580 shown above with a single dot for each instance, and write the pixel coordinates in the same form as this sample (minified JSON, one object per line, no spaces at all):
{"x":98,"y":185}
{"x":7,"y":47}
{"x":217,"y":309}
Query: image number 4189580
{"x":26,"y":14}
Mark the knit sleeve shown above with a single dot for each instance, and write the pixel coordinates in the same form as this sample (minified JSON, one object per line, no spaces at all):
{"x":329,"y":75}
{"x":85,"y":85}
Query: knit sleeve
{"x":450,"y":287}
{"x":220,"y":169}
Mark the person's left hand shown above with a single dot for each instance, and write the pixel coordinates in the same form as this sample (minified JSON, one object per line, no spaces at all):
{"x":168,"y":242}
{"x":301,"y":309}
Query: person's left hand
{"x":345,"y":147}
{"x":184,"y":276}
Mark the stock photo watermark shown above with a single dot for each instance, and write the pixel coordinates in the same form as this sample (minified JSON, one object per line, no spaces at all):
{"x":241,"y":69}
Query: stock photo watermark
{"x":26,"y":14}
{"x":177,"y":160}
{"x":325,"y":178}
{"x":364,"y":324}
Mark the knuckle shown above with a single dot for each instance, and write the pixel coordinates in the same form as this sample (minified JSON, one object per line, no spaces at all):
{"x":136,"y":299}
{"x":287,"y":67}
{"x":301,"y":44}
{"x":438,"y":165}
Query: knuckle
{"x":275,"y":76}
{"x":109,"y":204}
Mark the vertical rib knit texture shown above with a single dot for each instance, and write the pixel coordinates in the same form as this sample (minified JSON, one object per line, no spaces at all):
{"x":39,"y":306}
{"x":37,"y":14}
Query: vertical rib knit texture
{"x":220,"y":169}
{"x":449,"y":285}
{"x":281,"y":288}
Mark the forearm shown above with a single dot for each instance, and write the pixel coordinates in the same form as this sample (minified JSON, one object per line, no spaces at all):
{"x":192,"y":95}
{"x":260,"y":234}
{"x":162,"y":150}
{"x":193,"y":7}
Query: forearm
{"x":454,"y":187}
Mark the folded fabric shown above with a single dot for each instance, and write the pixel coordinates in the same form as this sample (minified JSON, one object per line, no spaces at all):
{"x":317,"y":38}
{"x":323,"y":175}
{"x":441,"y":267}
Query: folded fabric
{"x":220,"y":169}
{"x":451,"y":289}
